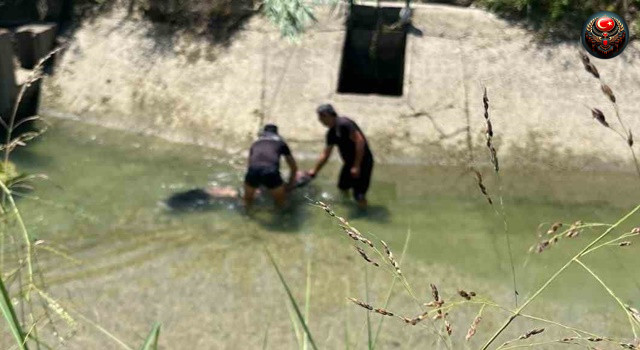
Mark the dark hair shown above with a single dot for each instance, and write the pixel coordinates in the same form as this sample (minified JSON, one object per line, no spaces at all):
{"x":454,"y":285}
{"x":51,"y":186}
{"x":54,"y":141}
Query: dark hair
{"x":326,"y":109}
{"x":272,"y":128}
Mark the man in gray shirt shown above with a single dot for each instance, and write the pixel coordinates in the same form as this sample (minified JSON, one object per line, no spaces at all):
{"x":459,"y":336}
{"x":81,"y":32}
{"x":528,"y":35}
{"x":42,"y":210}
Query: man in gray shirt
{"x":264,"y":167}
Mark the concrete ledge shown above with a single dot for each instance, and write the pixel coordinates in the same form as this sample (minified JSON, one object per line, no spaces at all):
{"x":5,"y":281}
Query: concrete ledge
{"x":34,"y":41}
{"x":7,"y":77}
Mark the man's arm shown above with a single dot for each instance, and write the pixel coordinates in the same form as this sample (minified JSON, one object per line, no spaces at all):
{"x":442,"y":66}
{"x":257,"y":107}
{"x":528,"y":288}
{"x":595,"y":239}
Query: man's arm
{"x":324,"y":156}
{"x":293,"y":169}
{"x":357,"y":137}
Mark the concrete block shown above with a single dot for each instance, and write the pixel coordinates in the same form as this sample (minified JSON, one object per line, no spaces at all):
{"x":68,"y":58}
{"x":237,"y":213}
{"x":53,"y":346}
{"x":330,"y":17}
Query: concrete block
{"x":34,"y":41}
{"x":7,"y":75}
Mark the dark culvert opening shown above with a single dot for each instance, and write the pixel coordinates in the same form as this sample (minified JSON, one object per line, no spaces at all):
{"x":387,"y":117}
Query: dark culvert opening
{"x":373,"y":52}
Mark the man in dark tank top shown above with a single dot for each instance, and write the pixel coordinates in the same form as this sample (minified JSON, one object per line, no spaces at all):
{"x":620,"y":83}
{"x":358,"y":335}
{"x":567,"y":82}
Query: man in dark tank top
{"x":354,"y":151}
{"x":264,"y":167}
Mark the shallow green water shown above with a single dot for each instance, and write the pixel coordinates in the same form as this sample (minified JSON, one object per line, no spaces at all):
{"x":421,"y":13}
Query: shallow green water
{"x":101,"y":203}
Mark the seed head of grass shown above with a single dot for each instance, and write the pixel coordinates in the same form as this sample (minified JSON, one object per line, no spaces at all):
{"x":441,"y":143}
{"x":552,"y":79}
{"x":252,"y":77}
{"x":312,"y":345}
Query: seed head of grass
{"x":361,"y":304}
{"x":365,"y":257}
{"x":492,"y":151}
{"x":540,"y":247}
{"x":481,"y":186}
{"x":474,"y":326}
{"x":414,"y":321}
{"x":589,"y":67}
{"x":599,"y":116}
{"x":567,"y":339}
{"x":531,"y":333}
{"x":440,"y":315}
{"x":607,"y":91}
{"x":392,"y":260}
{"x":574,"y":230}
{"x":383,"y":312}
{"x":437,"y":304}
{"x":585,"y":58}
{"x":464,"y":294}
{"x":554,"y":228}
{"x":434,"y":292}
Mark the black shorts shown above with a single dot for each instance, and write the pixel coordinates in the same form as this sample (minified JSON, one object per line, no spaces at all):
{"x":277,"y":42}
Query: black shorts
{"x":267,"y":177}
{"x":359,"y":185}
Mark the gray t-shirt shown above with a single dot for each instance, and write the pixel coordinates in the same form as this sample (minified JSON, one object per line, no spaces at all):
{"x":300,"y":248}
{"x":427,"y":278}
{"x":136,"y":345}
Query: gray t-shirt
{"x":266,"y":151}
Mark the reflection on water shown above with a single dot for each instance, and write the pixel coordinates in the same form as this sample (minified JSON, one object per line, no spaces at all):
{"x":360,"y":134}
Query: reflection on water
{"x":101,"y":203}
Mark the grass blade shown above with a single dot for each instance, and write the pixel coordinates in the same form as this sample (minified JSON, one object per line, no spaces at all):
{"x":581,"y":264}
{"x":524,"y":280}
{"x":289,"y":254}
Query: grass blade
{"x":292,"y":300}
{"x":152,"y":339}
{"x":265,"y":340}
{"x":294,"y":325}
{"x":393,"y":284}
{"x":307,"y":301}
{"x":10,"y":316}
{"x":366,"y":286}
{"x":347,"y":338}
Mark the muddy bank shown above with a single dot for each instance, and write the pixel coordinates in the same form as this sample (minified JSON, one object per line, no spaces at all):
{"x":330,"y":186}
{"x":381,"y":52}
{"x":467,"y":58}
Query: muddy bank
{"x":134,"y":75}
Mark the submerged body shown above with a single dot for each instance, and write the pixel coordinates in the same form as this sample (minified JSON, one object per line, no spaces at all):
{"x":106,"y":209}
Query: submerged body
{"x":202,"y":198}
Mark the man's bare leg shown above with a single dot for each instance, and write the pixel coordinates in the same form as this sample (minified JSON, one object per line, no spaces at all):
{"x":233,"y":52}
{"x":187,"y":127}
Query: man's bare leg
{"x":249,"y":195}
{"x":279,"y":196}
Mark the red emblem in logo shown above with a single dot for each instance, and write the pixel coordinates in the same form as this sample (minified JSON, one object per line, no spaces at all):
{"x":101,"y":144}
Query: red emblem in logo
{"x":605,"y":24}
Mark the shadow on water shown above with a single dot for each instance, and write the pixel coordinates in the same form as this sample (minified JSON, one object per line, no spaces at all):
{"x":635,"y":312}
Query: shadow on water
{"x":374,"y":212}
